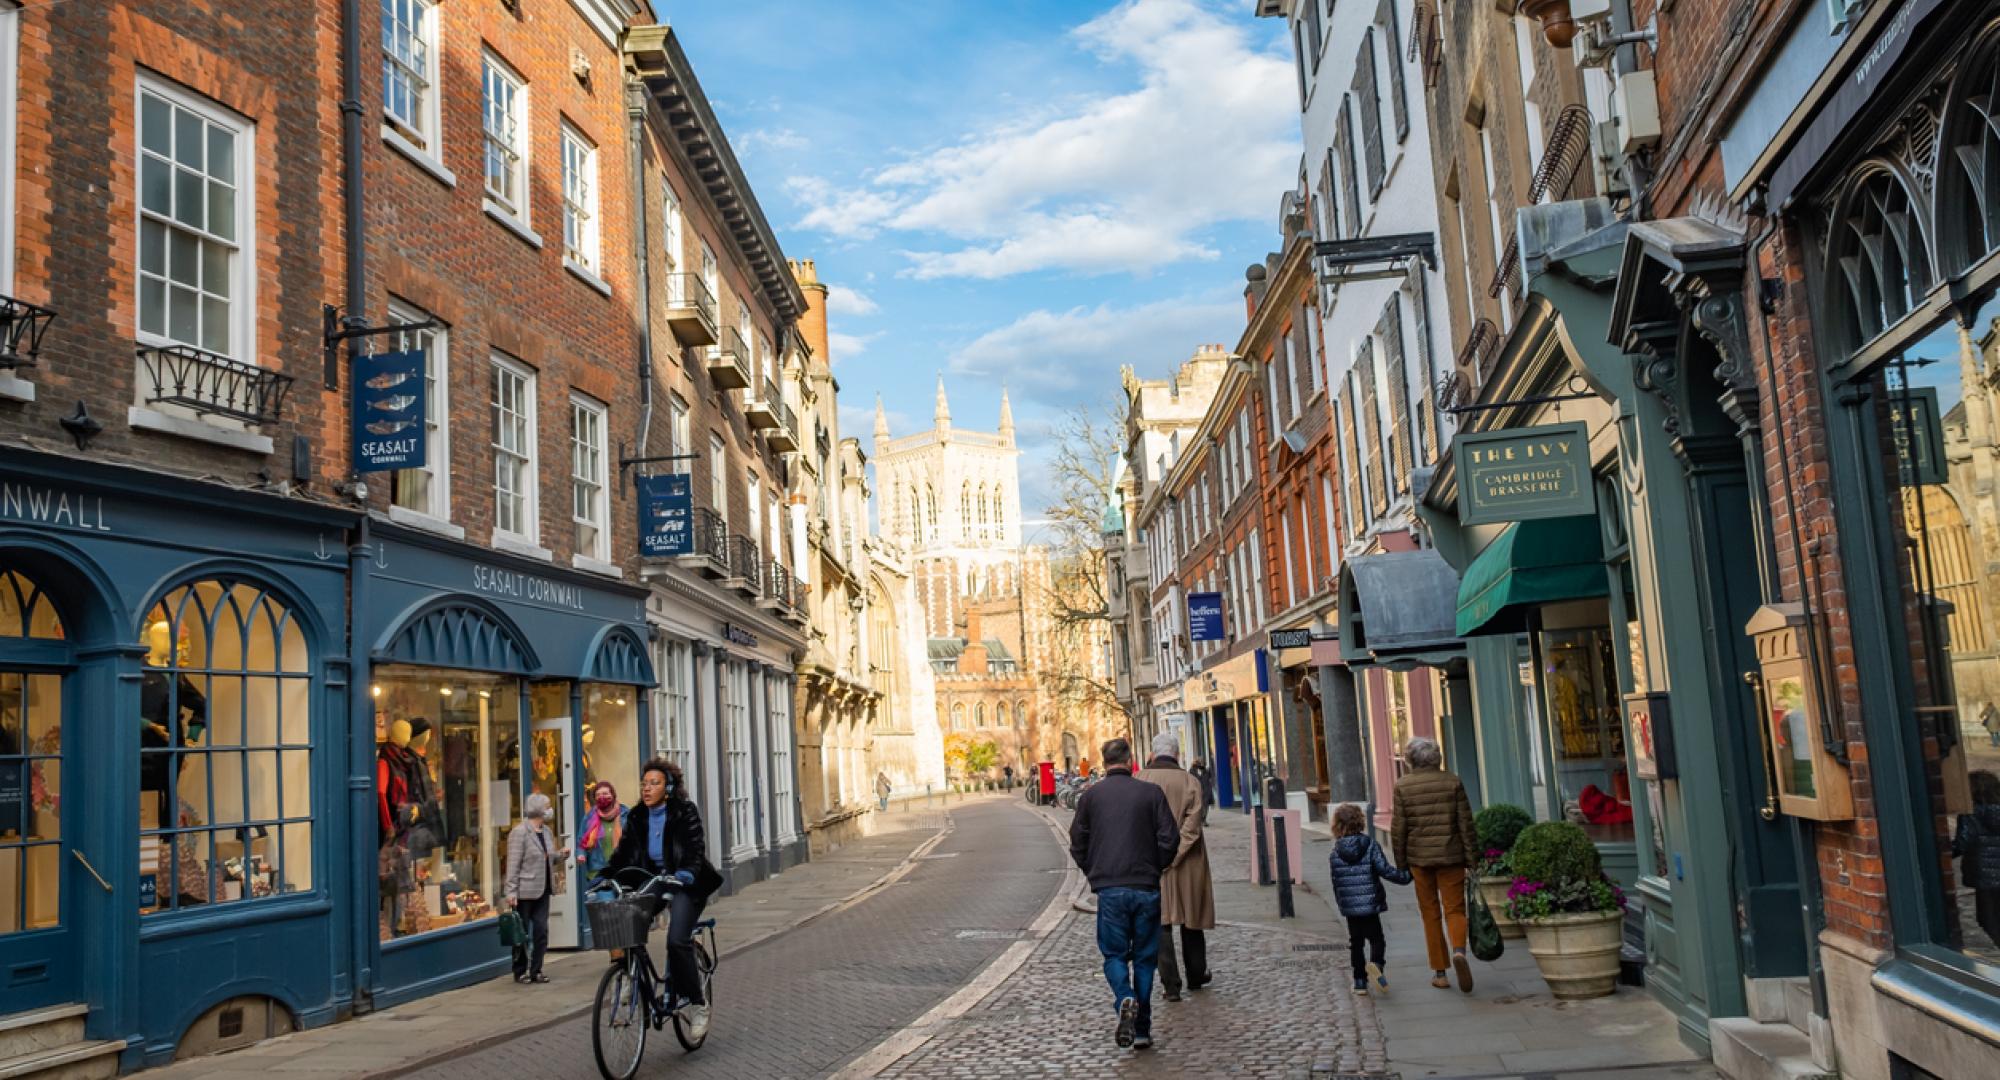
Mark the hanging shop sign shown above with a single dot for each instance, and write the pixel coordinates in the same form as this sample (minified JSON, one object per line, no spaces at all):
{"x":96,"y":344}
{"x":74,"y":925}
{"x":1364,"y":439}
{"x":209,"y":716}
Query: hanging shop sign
{"x":665,"y":507}
{"x":389,"y":402}
{"x":1918,"y":427}
{"x":1524,"y":474}
{"x":1205,"y":616}
{"x":1301,"y":638}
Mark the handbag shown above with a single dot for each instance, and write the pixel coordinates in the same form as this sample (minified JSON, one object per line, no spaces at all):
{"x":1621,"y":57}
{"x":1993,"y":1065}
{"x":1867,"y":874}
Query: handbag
{"x":513,"y":931}
{"x":1482,"y":933}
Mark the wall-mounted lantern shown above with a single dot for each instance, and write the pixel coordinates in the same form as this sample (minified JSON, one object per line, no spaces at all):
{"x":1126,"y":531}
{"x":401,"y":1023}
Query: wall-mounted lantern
{"x":1807,"y":780}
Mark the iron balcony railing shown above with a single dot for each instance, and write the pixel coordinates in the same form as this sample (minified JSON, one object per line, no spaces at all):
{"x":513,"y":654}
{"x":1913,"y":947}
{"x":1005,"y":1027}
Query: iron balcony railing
{"x":708,"y":537}
{"x":1509,"y":270}
{"x":21,"y":327}
{"x":761,"y":406}
{"x":1562,"y":158}
{"x":728,"y":362}
{"x":1477,"y":355}
{"x":213,"y":385}
{"x":779,"y":594}
{"x":801,"y":597}
{"x":691,"y":309}
{"x":745,"y":565}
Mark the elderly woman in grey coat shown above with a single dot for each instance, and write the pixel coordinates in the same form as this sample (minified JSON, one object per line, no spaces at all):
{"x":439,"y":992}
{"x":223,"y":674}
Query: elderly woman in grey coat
{"x":531,"y":870}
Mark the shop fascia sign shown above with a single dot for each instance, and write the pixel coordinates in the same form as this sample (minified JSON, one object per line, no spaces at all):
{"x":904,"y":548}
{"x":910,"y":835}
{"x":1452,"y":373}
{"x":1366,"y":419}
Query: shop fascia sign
{"x":36,"y":504}
{"x":515,"y":585}
{"x":389,"y":404}
{"x":736,"y":635}
{"x":1524,"y":474}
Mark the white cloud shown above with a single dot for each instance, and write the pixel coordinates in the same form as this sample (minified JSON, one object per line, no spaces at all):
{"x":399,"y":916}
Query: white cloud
{"x":1118,"y":183}
{"x":782,"y":139}
{"x":846,"y":347}
{"x":841,"y":300}
{"x":1063,"y":358}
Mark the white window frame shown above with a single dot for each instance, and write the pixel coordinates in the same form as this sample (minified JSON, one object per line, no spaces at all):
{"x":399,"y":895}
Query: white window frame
{"x":10,"y":103}
{"x":422,"y":131}
{"x":1292,"y":371}
{"x":673,"y":707}
{"x":243,"y":265}
{"x":737,"y":751}
{"x":753,"y":498}
{"x":1306,"y":544}
{"x":491,"y":69}
{"x":1285,"y":542}
{"x":680,"y":439}
{"x":778,"y":717}
{"x":507,"y":367}
{"x":588,"y":469}
{"x":436,"y":343}
{"x":1315,"y":364}
{"x":671,"y":238}
{"x":1271,"y":387}
{"x":1332,"y":530}
{"x":1256,"y":577}
{"x":718,"y":477}
{"x":582,"y":239}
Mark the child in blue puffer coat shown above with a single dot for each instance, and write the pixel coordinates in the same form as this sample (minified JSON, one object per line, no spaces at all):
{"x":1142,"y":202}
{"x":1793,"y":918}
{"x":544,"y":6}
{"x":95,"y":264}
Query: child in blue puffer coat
{"x":1359,"y":868}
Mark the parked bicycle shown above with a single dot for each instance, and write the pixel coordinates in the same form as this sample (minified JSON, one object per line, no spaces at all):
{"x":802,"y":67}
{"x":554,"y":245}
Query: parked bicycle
{"x":632,"y":997}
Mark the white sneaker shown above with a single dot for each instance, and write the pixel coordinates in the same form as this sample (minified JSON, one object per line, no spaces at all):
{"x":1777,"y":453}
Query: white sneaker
{"x":697,"y":1021}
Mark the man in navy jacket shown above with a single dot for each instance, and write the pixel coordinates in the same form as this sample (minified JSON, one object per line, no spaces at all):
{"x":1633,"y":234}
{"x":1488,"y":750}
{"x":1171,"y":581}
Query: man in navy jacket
{"x":1123,"y":838}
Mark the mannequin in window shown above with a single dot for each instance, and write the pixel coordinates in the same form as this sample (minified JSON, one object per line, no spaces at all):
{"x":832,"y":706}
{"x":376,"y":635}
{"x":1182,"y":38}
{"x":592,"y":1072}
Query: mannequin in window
{"x":426,"y":828}
{"x":160,"y":712}
{"x":394,"y":809}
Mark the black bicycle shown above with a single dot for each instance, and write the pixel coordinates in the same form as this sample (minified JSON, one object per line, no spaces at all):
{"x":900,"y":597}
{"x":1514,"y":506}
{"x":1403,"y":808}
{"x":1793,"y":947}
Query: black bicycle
{"x":632,"y":997}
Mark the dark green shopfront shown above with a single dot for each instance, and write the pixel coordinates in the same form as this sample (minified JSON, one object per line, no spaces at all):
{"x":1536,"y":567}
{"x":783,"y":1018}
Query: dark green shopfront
{"x":196,"y":709}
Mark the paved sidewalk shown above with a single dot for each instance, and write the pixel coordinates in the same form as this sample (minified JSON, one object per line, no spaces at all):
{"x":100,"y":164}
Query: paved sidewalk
{"x":399,"y":1039}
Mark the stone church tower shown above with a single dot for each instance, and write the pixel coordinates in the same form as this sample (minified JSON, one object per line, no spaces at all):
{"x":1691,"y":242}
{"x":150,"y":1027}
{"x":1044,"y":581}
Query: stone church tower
{"x":951,"y":497}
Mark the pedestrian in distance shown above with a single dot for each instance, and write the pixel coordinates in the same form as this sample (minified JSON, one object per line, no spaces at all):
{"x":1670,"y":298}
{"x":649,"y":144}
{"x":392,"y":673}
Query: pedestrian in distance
{"x":1989,"y":718}
{"x":882,"y":789}
{"x":1008,"y":772}
{"x":1187,"y":890}
{"x":1977,"y":843}
{"x":603,"y":824}
{"x":530,"y":880}
{"x":1123,"y":838}
{"x":1431,"y":832}
{"x":1199,"y":770}
{"x":1359,"y":867}
{"x":663,"y":835}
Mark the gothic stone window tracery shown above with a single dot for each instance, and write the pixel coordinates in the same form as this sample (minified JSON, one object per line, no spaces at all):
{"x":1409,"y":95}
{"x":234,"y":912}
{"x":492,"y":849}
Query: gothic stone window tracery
{"x":1968,"y":169}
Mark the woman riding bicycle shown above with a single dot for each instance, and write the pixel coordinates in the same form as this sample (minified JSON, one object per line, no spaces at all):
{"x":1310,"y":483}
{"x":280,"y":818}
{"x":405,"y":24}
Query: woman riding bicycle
{"x":663,"y":835}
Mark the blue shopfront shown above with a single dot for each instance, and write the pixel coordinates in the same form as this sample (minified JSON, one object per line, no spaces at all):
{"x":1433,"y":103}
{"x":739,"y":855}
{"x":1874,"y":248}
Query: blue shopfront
{"x":489,"y":677}
{"x":172,"y":687}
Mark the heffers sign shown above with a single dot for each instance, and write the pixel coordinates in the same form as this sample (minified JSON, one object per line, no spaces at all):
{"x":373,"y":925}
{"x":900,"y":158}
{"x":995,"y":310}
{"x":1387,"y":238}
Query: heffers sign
{"x":389,"y":402}
{"x":1205,"y":616}
{"x":1522,"y":474}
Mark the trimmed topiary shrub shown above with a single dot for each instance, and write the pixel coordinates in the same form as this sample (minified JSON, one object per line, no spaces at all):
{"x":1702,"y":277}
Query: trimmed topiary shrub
{"x":1555,"y":852}
{"x":1499,"y":825}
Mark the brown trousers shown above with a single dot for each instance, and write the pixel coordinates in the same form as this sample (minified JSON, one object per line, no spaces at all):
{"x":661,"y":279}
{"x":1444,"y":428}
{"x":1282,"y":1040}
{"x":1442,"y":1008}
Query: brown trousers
{"x":1444,"y":885}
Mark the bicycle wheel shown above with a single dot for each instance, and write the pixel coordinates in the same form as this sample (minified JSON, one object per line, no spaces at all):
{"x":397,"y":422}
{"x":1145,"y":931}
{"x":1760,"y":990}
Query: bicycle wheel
{"x":705,"y":963}
{"x":619,"y":1019}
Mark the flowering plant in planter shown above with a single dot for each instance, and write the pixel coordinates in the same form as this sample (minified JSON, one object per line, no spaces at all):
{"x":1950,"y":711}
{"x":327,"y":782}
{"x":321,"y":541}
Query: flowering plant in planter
{"x":1569,"y":910}
{"x":1536,"y":900}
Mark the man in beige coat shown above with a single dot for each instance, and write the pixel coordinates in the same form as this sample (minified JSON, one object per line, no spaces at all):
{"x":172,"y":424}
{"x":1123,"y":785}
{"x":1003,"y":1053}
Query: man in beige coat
{"x":1187,"y":892}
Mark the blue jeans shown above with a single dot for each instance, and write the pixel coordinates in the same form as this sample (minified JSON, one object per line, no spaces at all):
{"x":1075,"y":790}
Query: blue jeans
{"x":1128,"y":934}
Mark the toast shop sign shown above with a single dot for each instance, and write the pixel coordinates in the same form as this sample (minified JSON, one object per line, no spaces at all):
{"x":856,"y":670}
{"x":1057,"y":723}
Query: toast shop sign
{"x":1522,"y":474}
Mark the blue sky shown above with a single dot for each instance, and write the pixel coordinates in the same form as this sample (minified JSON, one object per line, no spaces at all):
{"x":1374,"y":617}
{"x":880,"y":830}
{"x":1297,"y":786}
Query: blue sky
{"x":1028,"y":193}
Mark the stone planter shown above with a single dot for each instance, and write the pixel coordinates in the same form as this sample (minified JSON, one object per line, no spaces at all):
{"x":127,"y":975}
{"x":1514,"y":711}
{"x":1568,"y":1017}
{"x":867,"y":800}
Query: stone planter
{"x":1578,"y":954}
{"x":1493,"y":890}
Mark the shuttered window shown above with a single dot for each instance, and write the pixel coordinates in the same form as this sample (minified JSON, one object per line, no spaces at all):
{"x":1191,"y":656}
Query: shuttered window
{"x":1350,"y":451}
{"x":1399,"y":97}
{"x":1368,"y":99}
{"x":1343,"y":148}
{"x":1427,"y":433}
{"x":1371,"y":426}
{"x":1391,"y":329}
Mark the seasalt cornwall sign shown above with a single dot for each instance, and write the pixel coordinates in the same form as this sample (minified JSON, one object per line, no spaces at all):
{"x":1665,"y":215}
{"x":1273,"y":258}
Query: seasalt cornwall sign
{"x":1522,"y":474}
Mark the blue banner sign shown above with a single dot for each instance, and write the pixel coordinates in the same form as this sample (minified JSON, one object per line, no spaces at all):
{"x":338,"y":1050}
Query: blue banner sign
{"x":1205,"y":616}
{"x":665,"y":505}
{"x":389,"y":402}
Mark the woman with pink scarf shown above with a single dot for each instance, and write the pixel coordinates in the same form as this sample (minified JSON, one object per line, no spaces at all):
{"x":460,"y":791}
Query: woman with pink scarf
{"x":601,"y":826}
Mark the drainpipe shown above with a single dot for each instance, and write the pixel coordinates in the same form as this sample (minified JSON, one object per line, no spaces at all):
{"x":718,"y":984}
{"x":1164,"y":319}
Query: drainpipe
{"x":361,"y":703}
{"x":635,"y":114}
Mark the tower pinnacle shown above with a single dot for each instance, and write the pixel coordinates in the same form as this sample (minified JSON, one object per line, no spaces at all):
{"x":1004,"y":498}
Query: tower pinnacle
{"x":942,"y":414}
{"x":881,"y":422}
{"x":1006,"y":418}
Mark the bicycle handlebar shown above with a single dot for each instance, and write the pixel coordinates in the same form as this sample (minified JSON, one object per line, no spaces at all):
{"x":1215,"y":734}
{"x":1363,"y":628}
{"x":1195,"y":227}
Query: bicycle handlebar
{"x":665,"y":880}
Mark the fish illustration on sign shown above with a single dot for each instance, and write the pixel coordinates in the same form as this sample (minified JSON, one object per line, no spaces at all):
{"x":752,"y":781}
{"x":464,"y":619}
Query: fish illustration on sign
{"x":394,"y":403}
{"x":389,"y":427}
{"x":389,"y":380}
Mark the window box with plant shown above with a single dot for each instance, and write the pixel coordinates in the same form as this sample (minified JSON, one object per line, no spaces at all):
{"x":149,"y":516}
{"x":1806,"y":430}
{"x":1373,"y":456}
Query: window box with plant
{"x":1497,"y":827}
{"x":1572,"y":913}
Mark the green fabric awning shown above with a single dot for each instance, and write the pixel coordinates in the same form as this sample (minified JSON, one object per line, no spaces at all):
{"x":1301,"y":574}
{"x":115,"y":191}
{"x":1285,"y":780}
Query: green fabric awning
{"x":1533,"y":562}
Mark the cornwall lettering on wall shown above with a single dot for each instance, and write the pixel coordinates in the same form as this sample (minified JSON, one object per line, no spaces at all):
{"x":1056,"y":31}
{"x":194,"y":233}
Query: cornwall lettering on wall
{"x":527,"y":588}
{"x":35,"y":504}
{"x":1523,"y":474}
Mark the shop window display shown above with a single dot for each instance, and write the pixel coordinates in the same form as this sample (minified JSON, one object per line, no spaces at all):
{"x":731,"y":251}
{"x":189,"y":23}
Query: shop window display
{"x":1586,"y":732}
{"x":611,"y":736}
{"x":30,"y":768}
{"x":225,"y":758}
{"x":448,"y":766}
{"x":1937,"y":406}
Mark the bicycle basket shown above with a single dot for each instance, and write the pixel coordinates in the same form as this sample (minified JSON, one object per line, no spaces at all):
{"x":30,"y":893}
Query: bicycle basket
{"x":620,"y":924}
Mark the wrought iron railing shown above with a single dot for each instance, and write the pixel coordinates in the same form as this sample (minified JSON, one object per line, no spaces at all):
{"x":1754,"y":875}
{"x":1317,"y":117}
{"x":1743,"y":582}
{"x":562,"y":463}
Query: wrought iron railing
{"x":1562,"y":158}
{"x":744,"y":562}
{"x":781,"y":583}
{"x":787,"y":420}
{"x":801,"y":596}
{"x":213,"y":385}
{"x":1450,"y":392}
{"x":708,"y":536}
{"x":1478,"y":351}
{"x":1509,"y":269}
{"x":21,"y":327}
{"x":690,"y":291}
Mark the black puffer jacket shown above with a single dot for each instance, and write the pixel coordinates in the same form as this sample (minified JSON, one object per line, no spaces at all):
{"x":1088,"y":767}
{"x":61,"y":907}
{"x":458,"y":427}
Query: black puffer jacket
{"x":1978,"y":840}
{"x":1359,"y":868}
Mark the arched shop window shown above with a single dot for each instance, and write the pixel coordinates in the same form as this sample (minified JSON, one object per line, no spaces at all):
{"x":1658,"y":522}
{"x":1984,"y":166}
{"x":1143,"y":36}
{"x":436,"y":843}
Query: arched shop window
{"x":1969,"y":151}
{"x":1878,"y":263}
{"x":225,"y":759}
{"x":1936,"y":442}
{"x":30,"y":765}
